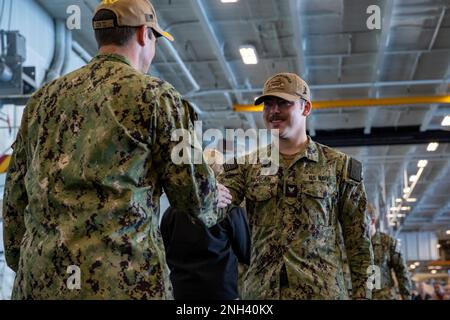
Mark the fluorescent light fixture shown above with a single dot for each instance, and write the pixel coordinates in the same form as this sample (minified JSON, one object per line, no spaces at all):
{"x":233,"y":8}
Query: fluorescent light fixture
{"x":412,"y":266}
{"x":446,"y":121}
{"x":407,"y":190}
{"x":447,"y":232}
{"x":417,"y":264}
{"x":433,"y":271}
{"x":411,"y":200}
{"x":432,"y":146}
{"x":229,"y":1}
{"x":413,"y":178}
{"x":398,"y":200}
{"x":422,"y":163}
{"x":248,"y":54}
{"x":438,"y":246}
{"x":406,"y":208}
{"x":394,"y":209}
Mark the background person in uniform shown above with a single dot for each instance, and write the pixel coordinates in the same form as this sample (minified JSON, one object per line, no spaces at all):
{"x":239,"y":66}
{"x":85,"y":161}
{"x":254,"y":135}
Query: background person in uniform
{"x":438,"y":293}
{"x":422,"y":293}
{"x":295,"y":214}
{"x":91,"y":158}
{"x":203,"y":262}
{"x":388,"y":257}
{"x":447,"y":292}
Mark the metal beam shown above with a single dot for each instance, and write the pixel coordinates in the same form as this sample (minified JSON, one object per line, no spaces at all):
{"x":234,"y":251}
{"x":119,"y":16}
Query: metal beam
{"x":428,"y":117}
{"x":298,"y":35}
{"x":332,"y":86}
{"x":19,"y":100}
{"x":398,"y":180}
{"x":443,"y":88}
{"x":383,"y":42}
{"x":358,"y":103}
{"x":369,"y":121}
{"x":381,"y":137}
{"x":376,"y":160}
{"x":438,"y":214}
{"x":81,"y":52}
{"x":184,"y":68}
{"x":213,"y":39}
{"x":431,"y":186}
{"x":379,"y":60}
{"x":430,"y":45}
{"x":321,"y":56}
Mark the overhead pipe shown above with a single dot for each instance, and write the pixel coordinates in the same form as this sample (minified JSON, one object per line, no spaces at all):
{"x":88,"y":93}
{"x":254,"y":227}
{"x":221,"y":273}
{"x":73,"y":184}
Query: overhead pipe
{"x":329,"y":86}
{"x":212,"y":39}
{"x":6,"y":73}
{"x":294,"y":6}
{"x":57,"y":64}
{"x":176,"y":56}
{"x":81,"y":52}
{"x":195,"y":86}
{"x":67,"y":52}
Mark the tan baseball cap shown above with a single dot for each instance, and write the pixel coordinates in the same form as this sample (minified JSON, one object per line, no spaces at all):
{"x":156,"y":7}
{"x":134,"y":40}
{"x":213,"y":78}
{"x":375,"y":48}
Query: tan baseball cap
{"x":130,"y":13}
{"x":287,"y":86}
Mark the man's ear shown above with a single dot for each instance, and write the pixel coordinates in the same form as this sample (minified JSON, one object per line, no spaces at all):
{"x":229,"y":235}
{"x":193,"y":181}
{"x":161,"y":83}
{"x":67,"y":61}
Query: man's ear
{"x":142,"y":34}
{"x":307,"y":108}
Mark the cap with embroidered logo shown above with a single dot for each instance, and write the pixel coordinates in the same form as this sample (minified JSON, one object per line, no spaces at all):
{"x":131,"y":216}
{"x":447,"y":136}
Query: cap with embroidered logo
{"x":130,"y":13}
{"x":287,"y":86}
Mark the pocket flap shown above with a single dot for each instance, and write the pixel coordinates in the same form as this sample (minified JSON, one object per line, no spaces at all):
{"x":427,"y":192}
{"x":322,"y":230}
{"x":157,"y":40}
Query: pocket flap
{"x":317,"y":190}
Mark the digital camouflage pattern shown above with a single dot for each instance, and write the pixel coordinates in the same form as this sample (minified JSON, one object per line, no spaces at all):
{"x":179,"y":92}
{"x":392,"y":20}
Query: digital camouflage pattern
{"x":295,"y":217}
{"x":90,"y":161}
{"x":388,"y":258}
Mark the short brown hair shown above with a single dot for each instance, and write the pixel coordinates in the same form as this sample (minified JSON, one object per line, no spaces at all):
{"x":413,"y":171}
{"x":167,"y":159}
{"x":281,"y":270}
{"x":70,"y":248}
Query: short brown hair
{"x":118,"y":36}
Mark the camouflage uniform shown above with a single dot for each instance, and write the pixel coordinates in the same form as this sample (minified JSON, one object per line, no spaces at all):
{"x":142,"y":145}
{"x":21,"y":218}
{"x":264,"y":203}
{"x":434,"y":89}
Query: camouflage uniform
{"x":388,"y":258}
{"x":294,"y":218}
{"x":90,"y":161}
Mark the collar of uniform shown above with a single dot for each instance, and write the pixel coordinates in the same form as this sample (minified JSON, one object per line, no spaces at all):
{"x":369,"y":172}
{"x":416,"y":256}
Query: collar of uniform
{"x":113,"y":57}
{"x":311,"y":152}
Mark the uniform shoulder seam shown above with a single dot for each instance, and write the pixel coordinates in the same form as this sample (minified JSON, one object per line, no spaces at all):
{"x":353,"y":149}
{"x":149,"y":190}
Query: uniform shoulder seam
{"x":331,"y":150}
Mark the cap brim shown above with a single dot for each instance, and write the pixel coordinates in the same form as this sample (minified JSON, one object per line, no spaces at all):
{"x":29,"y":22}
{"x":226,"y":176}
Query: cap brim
{"x":162,"y":33}
{"x":282,"y":95}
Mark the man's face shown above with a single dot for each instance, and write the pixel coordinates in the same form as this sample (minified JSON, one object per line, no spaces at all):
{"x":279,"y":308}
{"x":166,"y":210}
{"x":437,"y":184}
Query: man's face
{"x":285,"y":116}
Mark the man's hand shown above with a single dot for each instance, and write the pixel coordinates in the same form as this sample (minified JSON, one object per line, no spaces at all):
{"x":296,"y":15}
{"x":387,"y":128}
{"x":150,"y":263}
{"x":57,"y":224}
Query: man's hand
{"x":224,"y":196}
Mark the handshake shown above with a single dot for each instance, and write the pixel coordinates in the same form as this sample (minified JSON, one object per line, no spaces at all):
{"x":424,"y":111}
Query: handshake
{"x":225,"y":196}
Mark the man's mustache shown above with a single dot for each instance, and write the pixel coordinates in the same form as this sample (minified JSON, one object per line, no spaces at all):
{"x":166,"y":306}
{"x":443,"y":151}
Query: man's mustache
{"x":276,"y":118}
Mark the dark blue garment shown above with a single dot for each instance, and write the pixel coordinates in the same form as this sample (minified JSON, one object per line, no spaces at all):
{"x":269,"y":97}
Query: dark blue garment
{"x":203,"y":262}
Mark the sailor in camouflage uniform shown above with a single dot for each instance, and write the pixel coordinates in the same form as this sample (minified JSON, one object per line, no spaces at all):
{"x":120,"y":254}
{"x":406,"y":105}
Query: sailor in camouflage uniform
{"x":90,"y":162}
{"x":388,"y":257}
{"x":295,"y":214}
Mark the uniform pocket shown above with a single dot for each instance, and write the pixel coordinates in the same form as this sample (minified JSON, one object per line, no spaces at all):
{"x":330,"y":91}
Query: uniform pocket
{"x":317,"y":202}
{"x":262,"y":194}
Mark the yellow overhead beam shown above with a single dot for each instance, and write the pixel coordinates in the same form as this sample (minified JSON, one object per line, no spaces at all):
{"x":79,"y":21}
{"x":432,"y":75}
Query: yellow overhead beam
{"x":4,"y":163}
{"x":357,"y":103}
